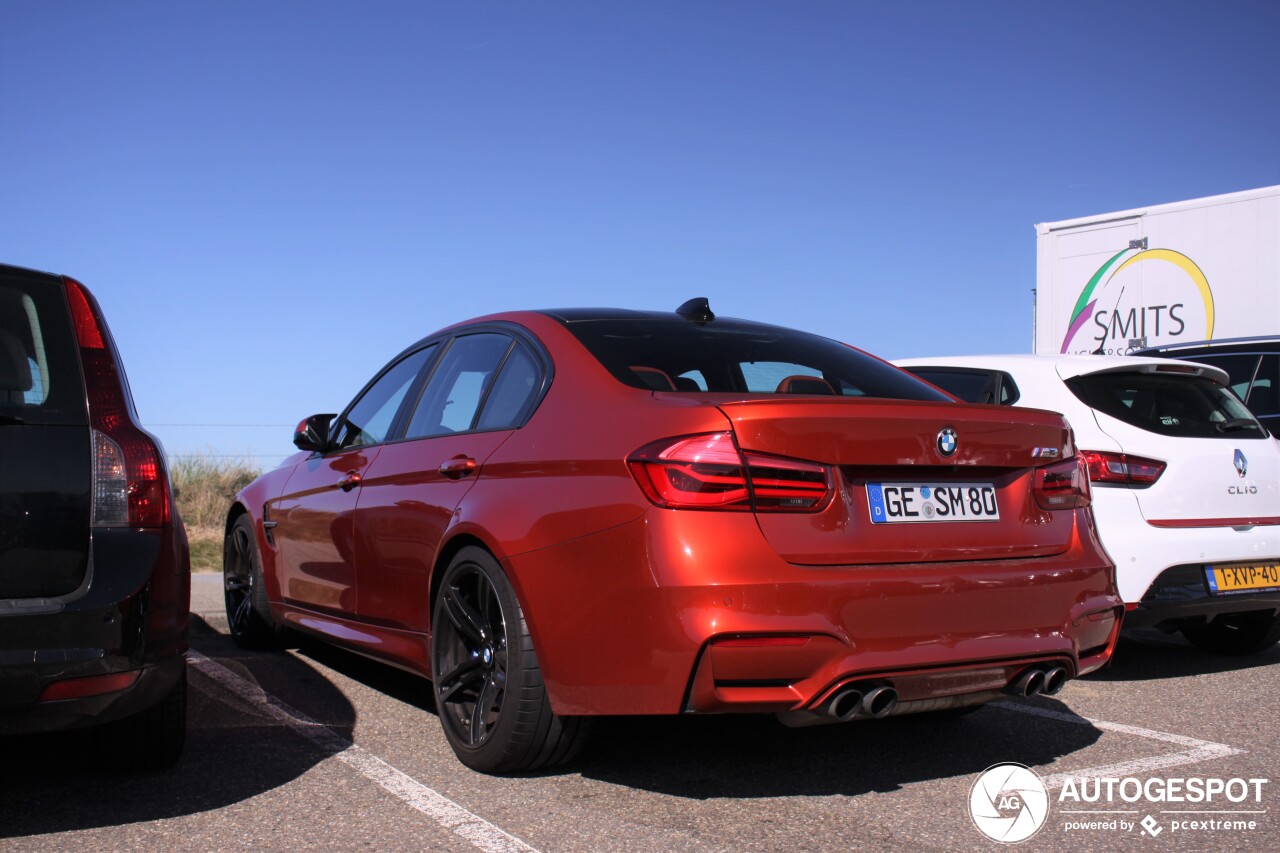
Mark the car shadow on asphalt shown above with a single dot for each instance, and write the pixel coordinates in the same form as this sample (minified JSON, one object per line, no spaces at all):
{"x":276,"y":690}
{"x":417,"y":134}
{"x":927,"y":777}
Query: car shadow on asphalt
{"x":234,"y":752}
{"x":751,"y":756}
{"x":1151,"y":655}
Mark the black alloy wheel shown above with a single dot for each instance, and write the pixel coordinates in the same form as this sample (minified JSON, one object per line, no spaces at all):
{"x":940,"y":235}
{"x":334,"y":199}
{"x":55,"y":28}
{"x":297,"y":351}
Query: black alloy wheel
{"x":471,"y":655}
{"x":488,"y":686}
{"x":248,"y":615}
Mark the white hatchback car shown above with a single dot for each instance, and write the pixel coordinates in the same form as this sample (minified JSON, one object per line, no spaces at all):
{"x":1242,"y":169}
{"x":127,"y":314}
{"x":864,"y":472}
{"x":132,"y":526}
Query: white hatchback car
{"x":1186,"y":483}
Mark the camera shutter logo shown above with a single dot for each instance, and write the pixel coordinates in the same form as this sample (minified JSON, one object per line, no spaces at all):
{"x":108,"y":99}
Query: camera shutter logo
{"x":1009,"y":803}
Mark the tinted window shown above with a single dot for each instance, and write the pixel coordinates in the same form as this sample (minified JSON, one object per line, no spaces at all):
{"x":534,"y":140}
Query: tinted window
{"x":370,"y":418}
{"x":1240,"y":368}
{"x":517,"y":384}
{"x":1168,"y":404}
{"x":1264,"y":394}
{"x":972,"y":385}
{"x":458,"y":385}
{"x":40,"y":380}
{"x":738,"y":357}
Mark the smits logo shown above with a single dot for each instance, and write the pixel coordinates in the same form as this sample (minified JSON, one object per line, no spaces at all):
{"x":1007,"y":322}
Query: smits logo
{"x":1129,"y":299}
{"x":1009,"y":803}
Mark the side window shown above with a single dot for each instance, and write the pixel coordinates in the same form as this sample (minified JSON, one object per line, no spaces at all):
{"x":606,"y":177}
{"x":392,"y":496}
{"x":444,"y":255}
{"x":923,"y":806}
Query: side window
{"x":518,"y":381}
{"x":1240,"y":369}
{"x":370,"y":418}
{"x":458,"y":385}
{"x":1264,"y":395}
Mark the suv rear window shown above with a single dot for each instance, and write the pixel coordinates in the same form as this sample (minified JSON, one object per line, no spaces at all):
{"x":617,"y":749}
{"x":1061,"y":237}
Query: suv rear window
{"x":658,"y":354}
{"x":40,"y":380}
{"x":1168,"y":404}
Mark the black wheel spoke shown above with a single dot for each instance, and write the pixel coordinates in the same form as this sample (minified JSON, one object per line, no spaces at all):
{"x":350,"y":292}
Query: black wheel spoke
{"x":480,"y":714}
{"x":463,"y":675}
{"x":463,"y":616}
{"x":240,"y":617}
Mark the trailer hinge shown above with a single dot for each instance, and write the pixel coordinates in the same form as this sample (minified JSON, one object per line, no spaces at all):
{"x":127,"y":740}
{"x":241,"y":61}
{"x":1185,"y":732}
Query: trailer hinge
{"x":1138,"y":244}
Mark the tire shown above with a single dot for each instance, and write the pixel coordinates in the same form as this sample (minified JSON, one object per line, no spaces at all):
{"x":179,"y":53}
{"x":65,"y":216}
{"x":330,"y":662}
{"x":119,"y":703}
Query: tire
{"x":1236,"y":633}
{"x":248,"y":613}
{"x":489,"y":691}
{"x":152,"y":740}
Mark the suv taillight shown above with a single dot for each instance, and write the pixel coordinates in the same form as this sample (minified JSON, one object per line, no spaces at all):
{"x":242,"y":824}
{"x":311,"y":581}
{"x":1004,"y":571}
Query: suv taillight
{"x":130,"y":487}
{"x":710,"y":472}
{"x":1121,"y":469}
{"x":1064,"y":485}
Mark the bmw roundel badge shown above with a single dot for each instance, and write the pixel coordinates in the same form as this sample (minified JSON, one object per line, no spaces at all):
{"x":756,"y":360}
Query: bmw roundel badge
{"x":947,"y":442}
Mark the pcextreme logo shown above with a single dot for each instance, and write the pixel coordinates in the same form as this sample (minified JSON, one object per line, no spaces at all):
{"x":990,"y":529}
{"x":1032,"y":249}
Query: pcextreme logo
{"x":1153,"y":294}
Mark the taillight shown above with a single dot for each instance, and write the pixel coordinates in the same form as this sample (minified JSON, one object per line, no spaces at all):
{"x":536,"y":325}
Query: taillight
{"x":709,"y":472}
{"x":130,"y":487}
{"x":1064,"y":485}
{"x":1121,"y":469}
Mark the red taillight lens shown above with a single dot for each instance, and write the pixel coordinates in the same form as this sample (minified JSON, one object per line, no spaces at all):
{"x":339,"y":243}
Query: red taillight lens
{"x":709,"y":472}
{"x":1121,"y":469}
{"x":1063,"y":486}
{"x":698,"y":472}
{"x":787,"y":485}
{"x":130,"y":486}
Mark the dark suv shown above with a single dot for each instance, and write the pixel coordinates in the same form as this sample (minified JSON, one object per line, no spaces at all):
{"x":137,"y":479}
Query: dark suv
{"x":94,"y":569}
{"x":1252,"y":363}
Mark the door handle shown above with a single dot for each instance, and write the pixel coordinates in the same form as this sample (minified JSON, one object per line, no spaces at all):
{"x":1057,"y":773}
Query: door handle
{"x":350,"y":481}
{"x":459,"y":467}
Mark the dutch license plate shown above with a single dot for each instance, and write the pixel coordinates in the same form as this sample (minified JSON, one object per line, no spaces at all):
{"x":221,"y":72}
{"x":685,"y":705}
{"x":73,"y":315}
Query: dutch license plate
{"x":1242,"y":577}
{"x":899,"y":502}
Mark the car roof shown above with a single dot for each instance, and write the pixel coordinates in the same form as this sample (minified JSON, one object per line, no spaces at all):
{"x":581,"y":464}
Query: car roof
{"x":1257,"y":343}
{"x":1064,"y":366}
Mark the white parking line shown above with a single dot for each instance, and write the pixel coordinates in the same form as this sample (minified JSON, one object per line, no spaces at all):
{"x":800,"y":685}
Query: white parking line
{"x":434,"y":805}
{"x":1197,"y":750}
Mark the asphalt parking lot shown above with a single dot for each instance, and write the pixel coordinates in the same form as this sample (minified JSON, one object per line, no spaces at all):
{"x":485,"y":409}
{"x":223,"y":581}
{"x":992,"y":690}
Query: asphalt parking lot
{"x":314,"y":748}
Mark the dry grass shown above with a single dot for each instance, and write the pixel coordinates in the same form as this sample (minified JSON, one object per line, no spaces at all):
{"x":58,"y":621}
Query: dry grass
{"x":204,"y":487}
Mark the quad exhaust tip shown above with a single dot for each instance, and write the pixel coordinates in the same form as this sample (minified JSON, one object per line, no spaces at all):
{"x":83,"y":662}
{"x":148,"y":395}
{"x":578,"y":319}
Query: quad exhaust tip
{"x":852,"y":702}
{"x":1037,"y":681}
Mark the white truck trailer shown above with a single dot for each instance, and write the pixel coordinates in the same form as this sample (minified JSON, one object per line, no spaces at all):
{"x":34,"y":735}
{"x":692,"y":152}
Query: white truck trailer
{"x":1197,"y":270}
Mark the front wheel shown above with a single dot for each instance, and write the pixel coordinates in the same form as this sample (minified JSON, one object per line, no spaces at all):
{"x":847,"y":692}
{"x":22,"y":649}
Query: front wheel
{"x":488,"y":686}
{"x":1236,"y":633}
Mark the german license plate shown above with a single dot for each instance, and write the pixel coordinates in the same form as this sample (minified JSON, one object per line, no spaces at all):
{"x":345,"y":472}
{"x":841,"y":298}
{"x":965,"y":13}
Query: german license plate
{"x":1242,"y":577}
{"x":899,"y":502}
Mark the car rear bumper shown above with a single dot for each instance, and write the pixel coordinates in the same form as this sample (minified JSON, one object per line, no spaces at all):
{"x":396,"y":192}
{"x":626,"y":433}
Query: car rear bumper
{"x":1181,"y":594}
{"x":130,"y":617}
{"x":1143,"y":554}
{"x":693,"y":611}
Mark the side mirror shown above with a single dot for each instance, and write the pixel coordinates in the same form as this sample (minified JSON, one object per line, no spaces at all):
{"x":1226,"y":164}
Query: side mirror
{"x":313,"y":433}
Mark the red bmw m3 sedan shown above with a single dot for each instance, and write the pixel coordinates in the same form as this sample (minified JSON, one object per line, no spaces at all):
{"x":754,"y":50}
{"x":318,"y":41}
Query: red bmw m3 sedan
{"x":556,"y":515}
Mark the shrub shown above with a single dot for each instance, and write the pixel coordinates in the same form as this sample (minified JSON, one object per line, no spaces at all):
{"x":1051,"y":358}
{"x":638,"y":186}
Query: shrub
{"x":203,"y":488}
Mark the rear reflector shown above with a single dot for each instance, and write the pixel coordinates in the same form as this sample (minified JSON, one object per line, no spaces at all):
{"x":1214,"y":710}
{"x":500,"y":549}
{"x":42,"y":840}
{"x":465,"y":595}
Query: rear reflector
{"x":1120,"y":469}
{"x":1063,"y":485}
{"x":709,"y":472}
{"x":94,"y":685}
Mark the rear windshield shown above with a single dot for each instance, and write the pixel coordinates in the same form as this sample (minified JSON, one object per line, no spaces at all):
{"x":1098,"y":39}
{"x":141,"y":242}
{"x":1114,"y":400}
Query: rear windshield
{"x":737,"y":357}
{"x":40,"y":380}
{"x":1168,"y":404}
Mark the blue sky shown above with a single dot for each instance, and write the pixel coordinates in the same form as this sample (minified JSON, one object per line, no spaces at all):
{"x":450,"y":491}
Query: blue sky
{"x":270,"y":199}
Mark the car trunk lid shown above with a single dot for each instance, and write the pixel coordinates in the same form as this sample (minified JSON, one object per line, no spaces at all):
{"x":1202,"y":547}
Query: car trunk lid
{"x":890,"y":459}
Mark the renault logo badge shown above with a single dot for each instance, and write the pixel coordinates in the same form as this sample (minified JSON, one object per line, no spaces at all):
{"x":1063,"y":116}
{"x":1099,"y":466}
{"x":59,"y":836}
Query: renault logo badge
{"x":1242,"y":464}
{"x":948,"y":443}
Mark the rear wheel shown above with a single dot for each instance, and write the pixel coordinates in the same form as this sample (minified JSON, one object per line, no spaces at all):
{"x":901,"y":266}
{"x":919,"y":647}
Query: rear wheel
{"x":248,"y":614}
{"x":1236,"y":633}
{"x":488,"y":685}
